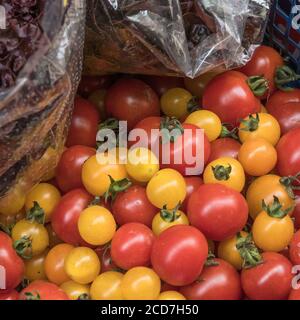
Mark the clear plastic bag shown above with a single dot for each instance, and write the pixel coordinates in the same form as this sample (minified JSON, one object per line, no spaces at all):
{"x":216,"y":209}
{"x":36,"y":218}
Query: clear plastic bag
{"x":172,"y":37}
{"x":35,"y":112}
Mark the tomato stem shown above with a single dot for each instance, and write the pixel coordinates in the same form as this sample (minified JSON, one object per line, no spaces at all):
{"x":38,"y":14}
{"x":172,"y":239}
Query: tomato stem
{"x":226,"y":133}
{"x":222,"y":173}
{"x":170,"y":215}
{"x":193,"y":105}
{"x":275,"y":210}
{"x":23,"y":247}
{"x":285,"y":75}
{"x":248,"y":251}
{"x":116,"y":187}
{"x":170,"y":129}
{"x":31,"y":296}
{"x":288,"y":183}
{"x":36,"y":214}
{"x":251,"y":124}
{"x":210,"y":261}
{"x":259,"y":85}
{"x":84,"y":296}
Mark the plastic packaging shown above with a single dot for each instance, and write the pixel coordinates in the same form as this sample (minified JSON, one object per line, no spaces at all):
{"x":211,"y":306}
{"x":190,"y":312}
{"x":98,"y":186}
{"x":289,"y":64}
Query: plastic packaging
{"x":35,"y":111}
{"x":172,"y":37}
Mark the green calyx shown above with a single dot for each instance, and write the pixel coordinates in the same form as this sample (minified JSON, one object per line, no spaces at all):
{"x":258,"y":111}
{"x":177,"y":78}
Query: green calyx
{"x":116,"y":187}
{"x":109,"y":124}
{"x":285,"y":75}
{"x":248,"y":251}
{"x":7,"y":229}
{"x":193,"y":105}
{"x":288,"y":183}
{"x":258,"y":85}
{"x":23,"y":247}
{"x":36,"y":214}
{"x":222,"y":173}
{"x":170,"y":129}
{"x":84,"y":296}
{"x":31,"y":296}
{"x":251,"y":124}
{"x":170,"y":215}
{"x":227,"y":133}
{"x":211,"y":260}
{"x":275,"y":210}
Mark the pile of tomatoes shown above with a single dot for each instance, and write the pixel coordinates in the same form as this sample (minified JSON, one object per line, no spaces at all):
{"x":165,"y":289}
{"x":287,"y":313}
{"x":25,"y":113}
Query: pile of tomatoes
{"x":102,"y":231}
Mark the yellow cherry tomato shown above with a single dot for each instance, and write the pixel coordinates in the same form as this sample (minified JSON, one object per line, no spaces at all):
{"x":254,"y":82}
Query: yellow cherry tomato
{"x":166,"y":219}
{"x":228,"y":251}
{"x":166,"y":188}
{"x":82,"y":265}
{"x":107,"y":286}
{"x":13,"y":203}
{"x":76,"y":291}
{"x":226,"y":171}
{"x":142,"y":164}
{"x":32,"y":238}
{"x":260,"y":125}
{"x":46,"y":195}
{"x":96,"y":171}
{"x":140,"y":283}
{"x":96,"y":225}
{"x":55,"y":263}
{"x":257,"y":156}
{"x":197,"y":85}
{"x":272,"y":232}
{"x":176,"y":102}
{"x":35,"y":267}
{"x":264,"y":188}
{"x":208,"y":121}
{"x":171,"y":295}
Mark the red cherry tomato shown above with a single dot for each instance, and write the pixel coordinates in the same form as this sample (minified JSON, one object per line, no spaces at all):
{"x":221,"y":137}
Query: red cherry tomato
{"x":190,"y":143}
{"x":282,"y":97}
{"x":11,"y":295}
{"x":151,"y":138}
{"x":219,"y":282}
{"x":104,"y":254}
{"x":89,"y":84}
{"x":264,"y":62}
{"x":178,"y":255}
{"x":218,"y":211}
{"x":294,"y":250}
{"x":84,"y":124}
{"x":192,"y":184}
{"x":296,"y":212}
{"x":270,"y":280}
{"x":132,"y":205}
{"x":288,"y":150}
{"x":229,"y":96}
{"x":161,"y":84}
{"x":43,"y":290}
{"x":13,"y":265}
{"x":131,"y":100}
{"x":131,"y":246}
{"x":66,"y":214}
{"x":68,"y":171}
{"x":288,"y":115}
{"x":294,"y":294}
{"x":167,"y":287}
{"x":224,"y":147}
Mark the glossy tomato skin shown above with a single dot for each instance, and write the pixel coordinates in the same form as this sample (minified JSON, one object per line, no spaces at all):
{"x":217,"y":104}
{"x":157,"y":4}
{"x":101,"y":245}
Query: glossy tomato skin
{"x":131,"y":246}
{"x":84,"y":124}
{"x":220,"y":282}
{"x":296,"y":212}
{"x":294,"y":249}
{"x":13,"y":264}
{"x":224,"y":147}
{"x":218,"y":211}
{"x":280,"y":98}
{"x":178,"y":255}
{"x":264,"y":62}
{"x":192,"y":184}
{"x":161,"y":84}
{"x":43,"y":290}
{"x":11,"y":295}
{"x":270,"y":280}
{"x":104,"y":254}
{"x":229,"y":97}
{"x":185,"y":146}
{"x":68,"y":171}
{"x":294,"y":294}
{"x":89,"y":84}
{"x":131,"y":100}
{"x":288,"y":150}
{"x":148,"y":124}
{"x":132,"y":205}
{"x":288,"y":115}
{"x":66,"y":214}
